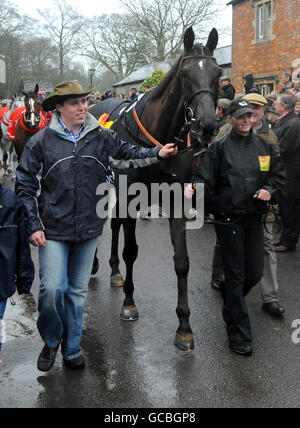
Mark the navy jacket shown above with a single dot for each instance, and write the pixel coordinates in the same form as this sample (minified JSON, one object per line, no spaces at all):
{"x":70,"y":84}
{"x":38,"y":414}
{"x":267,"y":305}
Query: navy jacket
{"x":16,"y":267}
{"x":68,"y":175}
{"x":234,"y":168}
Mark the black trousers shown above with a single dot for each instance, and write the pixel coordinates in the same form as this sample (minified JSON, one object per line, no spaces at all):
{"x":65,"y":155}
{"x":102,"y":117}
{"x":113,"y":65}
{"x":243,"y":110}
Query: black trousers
{"x":242,"y":242}
{"x":290,"y":219}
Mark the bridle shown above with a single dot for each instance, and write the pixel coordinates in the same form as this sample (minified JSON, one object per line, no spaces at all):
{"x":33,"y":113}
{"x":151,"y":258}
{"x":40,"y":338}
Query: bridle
{"x":202,"y":92}
{"x":32,"y":116}
{"x":189,"y":114}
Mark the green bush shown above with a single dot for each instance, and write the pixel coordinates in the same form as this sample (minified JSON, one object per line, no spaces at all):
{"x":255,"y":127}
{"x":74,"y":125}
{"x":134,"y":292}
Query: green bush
{"x":153,"y":80}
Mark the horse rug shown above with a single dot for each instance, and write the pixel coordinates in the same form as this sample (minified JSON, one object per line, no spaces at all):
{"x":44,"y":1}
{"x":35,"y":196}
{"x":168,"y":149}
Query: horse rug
{"x":15,"y":117}
{"x":3,"y":110}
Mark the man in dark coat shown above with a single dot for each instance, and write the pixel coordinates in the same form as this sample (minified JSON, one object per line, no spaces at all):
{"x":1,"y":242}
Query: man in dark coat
{"x":226,"y":89}
{"x":287,"y":80}
{"x":288,"y":133}
{"x":133,"y":95}
{"x":249,"y":85}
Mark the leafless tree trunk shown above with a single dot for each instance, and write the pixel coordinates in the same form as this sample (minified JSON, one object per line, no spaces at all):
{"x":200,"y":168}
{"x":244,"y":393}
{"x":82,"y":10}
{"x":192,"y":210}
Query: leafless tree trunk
{"x":163,"y":22}
{"x":62,"y":28}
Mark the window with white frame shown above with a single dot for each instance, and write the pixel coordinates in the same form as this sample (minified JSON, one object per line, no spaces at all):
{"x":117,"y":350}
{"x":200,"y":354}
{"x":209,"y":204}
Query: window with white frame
{"x":264,"y":20}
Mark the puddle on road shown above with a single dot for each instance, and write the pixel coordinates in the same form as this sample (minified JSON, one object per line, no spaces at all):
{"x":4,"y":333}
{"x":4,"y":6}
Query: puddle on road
{"x":19,"y":387}
{"x":18,"y":382}
{"x":20,"y":320}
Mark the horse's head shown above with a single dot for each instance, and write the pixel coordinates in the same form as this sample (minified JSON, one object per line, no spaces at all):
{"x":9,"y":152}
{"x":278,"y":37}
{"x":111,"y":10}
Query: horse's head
{"x":32,"y":114}
{"x":199,"y":76}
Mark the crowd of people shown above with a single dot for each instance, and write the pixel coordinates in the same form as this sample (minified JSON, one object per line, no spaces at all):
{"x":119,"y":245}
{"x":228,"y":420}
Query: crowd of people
{"x":253,"y":161}
{"x":134,"y":94}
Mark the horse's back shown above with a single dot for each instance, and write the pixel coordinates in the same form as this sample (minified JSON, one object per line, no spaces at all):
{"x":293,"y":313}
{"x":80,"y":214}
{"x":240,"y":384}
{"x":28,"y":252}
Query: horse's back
{"x":112,"y":107}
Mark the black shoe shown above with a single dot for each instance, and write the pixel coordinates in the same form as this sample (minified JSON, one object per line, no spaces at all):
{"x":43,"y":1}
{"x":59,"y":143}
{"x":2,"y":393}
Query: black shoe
{"x":245,"y":350}
{"x":216,"y":284}
{"x":46,"y":358}
{"x":76,"y":363}
{"x":274,"y":309}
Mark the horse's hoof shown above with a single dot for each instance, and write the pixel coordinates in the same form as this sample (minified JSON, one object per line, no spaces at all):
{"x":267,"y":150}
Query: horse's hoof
{"x":129,"y":313}
{"x":184,"y":342}
{"x":116,"y":280}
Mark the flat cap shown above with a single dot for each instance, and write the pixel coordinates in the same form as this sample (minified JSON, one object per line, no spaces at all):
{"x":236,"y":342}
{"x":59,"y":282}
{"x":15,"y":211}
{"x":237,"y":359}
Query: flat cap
{"x":223,"y":103}
{"x":256,"y":99}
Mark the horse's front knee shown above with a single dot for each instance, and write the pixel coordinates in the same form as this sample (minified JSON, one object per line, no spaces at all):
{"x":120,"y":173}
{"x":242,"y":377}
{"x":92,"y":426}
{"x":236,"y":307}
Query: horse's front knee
{"x":130,"y":253}
{"x":182,"y":265}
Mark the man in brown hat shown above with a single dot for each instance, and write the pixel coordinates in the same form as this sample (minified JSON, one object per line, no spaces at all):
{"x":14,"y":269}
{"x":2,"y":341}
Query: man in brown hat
{"x":74,"y":154}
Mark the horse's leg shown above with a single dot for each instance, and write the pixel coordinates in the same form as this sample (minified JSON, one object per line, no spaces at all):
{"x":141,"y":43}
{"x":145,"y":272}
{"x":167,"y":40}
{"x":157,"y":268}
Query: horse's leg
{"x":184,"y":335}
{"x":13,"y":160}
{"x":9,"y":149}
{"x":116,"y":279}
{"x":130,"y":252}
{"x":95,"y":264}
{"x":4,"y":156}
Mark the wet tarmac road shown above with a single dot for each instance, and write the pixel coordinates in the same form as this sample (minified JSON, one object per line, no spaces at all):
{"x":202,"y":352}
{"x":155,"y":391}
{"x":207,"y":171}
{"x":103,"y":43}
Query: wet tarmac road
{"x":136,"y":365}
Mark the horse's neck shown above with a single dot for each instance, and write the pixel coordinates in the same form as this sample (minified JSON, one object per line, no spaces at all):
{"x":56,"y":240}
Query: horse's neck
{"x":163,"y":115}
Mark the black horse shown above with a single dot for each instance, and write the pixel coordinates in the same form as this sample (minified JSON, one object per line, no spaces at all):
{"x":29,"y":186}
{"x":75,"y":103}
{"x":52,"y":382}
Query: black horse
{"x":181,"y":109}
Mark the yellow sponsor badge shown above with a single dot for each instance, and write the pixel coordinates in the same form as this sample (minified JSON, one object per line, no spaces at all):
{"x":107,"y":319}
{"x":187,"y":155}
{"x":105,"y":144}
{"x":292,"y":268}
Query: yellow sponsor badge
{"x":264,"y":162}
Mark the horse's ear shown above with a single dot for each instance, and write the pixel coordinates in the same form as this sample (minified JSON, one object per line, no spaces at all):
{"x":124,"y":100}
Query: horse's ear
{"x":189,"y":38}
{"x":213,"y":39}
{"x":36,"y":89}
{"x":22,"y":90}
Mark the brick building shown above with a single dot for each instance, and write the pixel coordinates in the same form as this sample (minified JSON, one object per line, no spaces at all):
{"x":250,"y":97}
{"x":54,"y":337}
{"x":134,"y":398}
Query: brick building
{"x":265,"y":41}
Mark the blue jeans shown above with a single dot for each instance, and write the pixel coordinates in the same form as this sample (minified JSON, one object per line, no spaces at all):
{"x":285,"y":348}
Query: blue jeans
{"x":65,"y":270}
{"x":2,"y":310}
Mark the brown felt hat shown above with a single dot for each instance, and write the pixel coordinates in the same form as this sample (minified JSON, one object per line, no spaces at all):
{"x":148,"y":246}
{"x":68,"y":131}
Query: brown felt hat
{"x":62,"y":91}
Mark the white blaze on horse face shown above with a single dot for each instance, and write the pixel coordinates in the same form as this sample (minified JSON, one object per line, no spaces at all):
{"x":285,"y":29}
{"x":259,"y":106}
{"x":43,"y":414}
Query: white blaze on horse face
{"x":201,"y":64}
{"x":31,"y":104}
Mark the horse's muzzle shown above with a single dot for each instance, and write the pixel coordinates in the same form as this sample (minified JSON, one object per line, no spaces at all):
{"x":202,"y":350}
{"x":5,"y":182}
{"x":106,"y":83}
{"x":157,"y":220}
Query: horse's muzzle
{"x":205,"y":130}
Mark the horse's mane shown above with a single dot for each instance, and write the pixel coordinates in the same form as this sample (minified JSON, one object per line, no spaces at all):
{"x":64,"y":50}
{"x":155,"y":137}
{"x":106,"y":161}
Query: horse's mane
{"x":160,"y":89}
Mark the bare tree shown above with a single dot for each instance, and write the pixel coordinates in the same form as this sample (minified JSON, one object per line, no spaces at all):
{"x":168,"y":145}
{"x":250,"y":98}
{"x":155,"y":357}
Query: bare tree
{"x":62,"y":26}
{"x":12,"y":27}
{"x":163,"y":22}
{"x":39,"y":57}
{"x":112,"y":42}
{"x":10,"y":21}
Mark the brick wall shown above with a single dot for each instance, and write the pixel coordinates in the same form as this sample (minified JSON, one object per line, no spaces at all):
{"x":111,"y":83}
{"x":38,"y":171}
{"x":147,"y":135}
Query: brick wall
{"x":269,"y":57}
